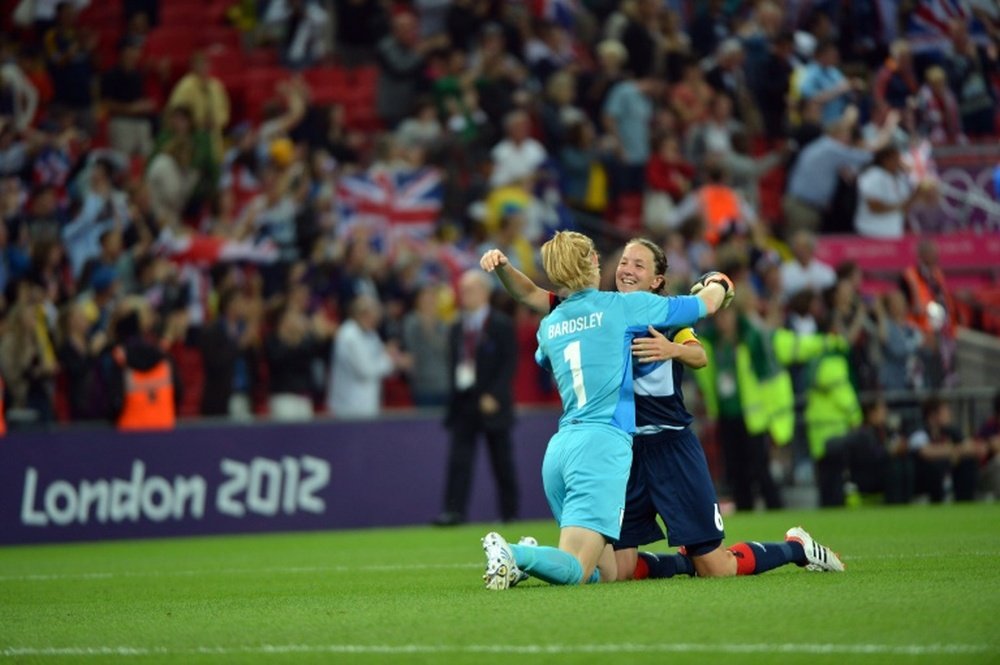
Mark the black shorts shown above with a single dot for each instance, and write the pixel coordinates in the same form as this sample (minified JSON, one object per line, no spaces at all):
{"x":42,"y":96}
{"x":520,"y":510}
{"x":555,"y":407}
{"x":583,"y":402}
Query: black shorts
{"x":670,"y":478}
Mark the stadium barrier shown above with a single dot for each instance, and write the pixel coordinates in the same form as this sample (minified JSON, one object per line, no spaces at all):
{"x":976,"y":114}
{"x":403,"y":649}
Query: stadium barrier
{"x":94,"y":484}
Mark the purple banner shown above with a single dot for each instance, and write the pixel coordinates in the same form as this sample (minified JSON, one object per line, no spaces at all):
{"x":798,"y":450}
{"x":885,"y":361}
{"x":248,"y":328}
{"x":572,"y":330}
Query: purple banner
{"x":199,"y":480}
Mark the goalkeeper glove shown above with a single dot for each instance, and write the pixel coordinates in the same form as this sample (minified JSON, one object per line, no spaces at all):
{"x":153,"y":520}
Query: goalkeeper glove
{"x":715,"y":277}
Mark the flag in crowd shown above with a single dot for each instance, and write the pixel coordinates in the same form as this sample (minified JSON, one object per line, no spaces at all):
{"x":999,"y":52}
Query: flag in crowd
{"x":390,"y":203}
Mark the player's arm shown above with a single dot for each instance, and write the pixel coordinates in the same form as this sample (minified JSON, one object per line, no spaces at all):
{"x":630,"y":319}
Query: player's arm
{"x":716,"y":290}
{"x":516,"y":283}
{"x":685,"y":348}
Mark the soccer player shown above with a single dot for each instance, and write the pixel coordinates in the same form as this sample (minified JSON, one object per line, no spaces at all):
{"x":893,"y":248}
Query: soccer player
{"x":669,"y":473}
{"x":585,"y":343}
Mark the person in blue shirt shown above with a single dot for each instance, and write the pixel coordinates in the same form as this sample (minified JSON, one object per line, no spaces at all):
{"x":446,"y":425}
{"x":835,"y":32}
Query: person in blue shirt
{"x":669,"y":475}
{"x":585,"y":341}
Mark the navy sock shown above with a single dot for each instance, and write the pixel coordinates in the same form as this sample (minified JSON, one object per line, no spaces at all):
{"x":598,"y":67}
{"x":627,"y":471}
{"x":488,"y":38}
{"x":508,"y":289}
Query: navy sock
{"x":662,"y":566}
{"x":753,"y":558}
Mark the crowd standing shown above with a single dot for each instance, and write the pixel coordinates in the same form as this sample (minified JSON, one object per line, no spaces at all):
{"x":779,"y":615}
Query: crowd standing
{"x":156,"y":234}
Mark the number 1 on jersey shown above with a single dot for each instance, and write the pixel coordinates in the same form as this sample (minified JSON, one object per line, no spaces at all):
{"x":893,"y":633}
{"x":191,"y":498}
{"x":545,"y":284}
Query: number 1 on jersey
{"x":572,"y":355}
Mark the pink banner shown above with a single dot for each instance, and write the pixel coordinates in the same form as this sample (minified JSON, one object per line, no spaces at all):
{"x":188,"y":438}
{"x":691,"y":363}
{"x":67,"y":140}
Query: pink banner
{"x":968,"y":259}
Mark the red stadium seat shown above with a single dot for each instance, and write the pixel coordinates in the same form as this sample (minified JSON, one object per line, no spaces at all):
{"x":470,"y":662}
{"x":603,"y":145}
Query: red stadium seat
{"x":186,"y":14}
{"x":175,"y":44}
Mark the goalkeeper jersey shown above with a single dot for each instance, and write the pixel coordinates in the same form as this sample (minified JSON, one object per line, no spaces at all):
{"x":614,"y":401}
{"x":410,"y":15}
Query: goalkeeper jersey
{"x":586,"y":343}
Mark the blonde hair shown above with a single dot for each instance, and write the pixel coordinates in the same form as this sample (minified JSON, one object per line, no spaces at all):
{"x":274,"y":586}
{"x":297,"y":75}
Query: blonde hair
{"x":567,"y":260}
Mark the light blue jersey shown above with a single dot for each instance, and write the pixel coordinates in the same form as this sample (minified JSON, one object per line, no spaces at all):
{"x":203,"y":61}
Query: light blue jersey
{"x":586,"y":343}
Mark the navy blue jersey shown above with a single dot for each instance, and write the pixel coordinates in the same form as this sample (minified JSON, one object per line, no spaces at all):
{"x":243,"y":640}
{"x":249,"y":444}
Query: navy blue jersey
{"x":659,"y":400}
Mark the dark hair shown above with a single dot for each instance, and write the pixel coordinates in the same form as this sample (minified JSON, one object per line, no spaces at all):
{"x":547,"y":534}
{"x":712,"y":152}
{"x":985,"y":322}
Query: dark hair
{"x":846,"y":268}
{"x":996,"y":403}
{"x":931,"y":405}
{"x":659,"y":259}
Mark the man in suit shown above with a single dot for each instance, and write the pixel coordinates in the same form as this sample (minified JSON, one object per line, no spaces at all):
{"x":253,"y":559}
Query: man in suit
{"x":229,"y":348}
{"x":483,"y":355}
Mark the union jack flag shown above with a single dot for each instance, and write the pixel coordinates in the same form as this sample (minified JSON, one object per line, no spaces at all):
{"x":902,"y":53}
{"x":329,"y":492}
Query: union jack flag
{"x":928,"y":26}
{"x":560,"y":12}
{"x":391,"y":202}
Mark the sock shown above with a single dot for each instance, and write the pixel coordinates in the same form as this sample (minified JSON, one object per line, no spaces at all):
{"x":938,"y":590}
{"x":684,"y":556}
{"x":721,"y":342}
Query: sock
{"x":753,"y":558}
{"x":548,"y":564}
{"x":595,"y":577}
{"x":662,"y":566}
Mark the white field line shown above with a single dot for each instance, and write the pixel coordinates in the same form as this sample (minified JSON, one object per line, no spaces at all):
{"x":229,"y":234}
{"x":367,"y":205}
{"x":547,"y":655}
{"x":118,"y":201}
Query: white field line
{"x":387,"y":568}
{"x":506,"y":649}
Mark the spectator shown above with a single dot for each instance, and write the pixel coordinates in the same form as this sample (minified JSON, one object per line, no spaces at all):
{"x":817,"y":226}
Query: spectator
{"x":144,"y":388}
{"x":425,"y":339}
{"x":422,"y":130}
{"x":78,"y":361}
{"x":896,"y":82}
{"x":71,"y":62}
{"x":517,"y":158}
{"x":643,"y":40}
{"x":727,"y":77}
{"x":558,"y":113}
{"x":813,"y":180}
{"x":885,"y":196}
{"x":103,"y":207}
{"x":205,"y":97}
{"x":989,"y":437}
{"x":401,"y":58}
{"x":303,"y":28}
{"x":359,"y":26}
{"x":938,"y":109}
{"x":361,"y":360}
{"x":941,"y":450}
{"x":130,"y":127}
{"x":738,"y":362}
{"x":595,"y":87}
{"x":482,"y":353}
{"x":229,"y":351}
{"x":713,"y":138}
{"x":898,"y":342}
{"x":932,"y":308}
{"x":804,"y":270}
{"x":668,"y":179}
{"x":878,"y":461}
{"x":584,"y":178}
{"x":18,"y":95}
{"x":823,"y":82}
{"x":722,"y":211}
{"x":708,"y":28}
{"x":548,"y":51}
{"x":291,"y":351}
{"x":180,"y":168}
{"x":832,"y":411}
{"x":28,"y":364}
{"x":772,"y":83}
{"x":498,"y":75}
{"x":628,"y":113}
{"x":969,"y":73}
{"x":692,"y":97}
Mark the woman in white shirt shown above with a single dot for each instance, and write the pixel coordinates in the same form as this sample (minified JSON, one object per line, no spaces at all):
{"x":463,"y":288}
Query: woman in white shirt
{"x":885,"y":195}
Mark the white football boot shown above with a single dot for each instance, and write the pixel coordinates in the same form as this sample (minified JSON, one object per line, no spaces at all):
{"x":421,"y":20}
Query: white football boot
{"x":501,"y":570}
{"x":819,"y":557}
{"x":521,"y":575}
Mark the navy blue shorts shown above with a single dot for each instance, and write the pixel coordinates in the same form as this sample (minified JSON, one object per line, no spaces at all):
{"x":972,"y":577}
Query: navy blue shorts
{"x":670,"y":477}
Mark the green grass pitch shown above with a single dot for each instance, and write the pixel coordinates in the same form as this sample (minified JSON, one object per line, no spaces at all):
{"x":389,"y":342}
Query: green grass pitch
{"x":922,"y":586}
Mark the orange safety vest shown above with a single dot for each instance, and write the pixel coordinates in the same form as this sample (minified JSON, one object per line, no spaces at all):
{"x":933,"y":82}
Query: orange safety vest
{"x":720,"y":208}
{"x":149,"y":396}
{"x":921,"y":290}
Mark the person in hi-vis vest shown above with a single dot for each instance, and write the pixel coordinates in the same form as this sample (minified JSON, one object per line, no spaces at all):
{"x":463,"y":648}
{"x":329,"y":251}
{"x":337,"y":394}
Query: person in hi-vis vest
{"x":739,"y":386}
{"x":143,"y":386}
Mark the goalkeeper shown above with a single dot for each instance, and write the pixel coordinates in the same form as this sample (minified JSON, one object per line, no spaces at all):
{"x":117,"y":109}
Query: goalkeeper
{"x":669,"y":474}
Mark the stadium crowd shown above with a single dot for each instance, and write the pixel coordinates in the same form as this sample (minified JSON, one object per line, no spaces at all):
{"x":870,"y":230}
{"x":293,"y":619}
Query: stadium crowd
{"x":290,"y":257}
